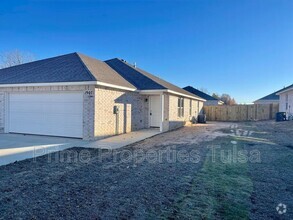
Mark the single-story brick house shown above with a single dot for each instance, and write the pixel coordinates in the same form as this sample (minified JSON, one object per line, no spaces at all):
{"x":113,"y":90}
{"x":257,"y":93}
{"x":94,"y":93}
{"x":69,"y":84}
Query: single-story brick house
{"x":286,"y":100}
{"x":210,"y":100}
{"x":78,"y":96}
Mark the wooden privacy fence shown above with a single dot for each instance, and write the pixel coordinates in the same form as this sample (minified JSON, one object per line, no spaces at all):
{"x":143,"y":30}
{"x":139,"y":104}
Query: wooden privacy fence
{"x":241,"y":112}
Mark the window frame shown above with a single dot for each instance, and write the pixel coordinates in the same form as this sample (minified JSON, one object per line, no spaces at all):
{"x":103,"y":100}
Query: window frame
{"x":180,"y":107}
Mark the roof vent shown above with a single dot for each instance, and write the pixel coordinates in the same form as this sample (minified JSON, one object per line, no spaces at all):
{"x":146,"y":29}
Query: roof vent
{"x":134,"y":65}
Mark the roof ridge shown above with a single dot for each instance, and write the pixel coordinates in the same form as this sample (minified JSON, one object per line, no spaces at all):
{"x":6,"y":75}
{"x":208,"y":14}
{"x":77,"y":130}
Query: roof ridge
{"x":85,"y":66}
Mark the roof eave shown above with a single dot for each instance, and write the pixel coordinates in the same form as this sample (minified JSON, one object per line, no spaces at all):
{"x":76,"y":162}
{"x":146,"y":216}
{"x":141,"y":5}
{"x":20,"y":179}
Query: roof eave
{"x":160,"y":91}
{"x":68,"y":84}
{"x":49,"y":84}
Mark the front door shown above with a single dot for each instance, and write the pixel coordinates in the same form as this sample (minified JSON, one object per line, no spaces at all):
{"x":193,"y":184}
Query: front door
{"x":155,"y":111}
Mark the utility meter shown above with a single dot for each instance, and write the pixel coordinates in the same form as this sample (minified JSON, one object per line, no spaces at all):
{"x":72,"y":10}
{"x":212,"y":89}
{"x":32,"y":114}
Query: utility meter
{"x":116,"y":109}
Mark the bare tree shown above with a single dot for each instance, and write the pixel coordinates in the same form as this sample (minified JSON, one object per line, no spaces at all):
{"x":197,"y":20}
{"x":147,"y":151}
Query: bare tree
{"x":228,"y":100}
{"x":15,"y":57}
{"x":216,"y":96}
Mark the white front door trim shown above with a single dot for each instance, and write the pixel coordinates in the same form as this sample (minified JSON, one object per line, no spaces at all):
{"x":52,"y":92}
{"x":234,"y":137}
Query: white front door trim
{"x":155,"y":111}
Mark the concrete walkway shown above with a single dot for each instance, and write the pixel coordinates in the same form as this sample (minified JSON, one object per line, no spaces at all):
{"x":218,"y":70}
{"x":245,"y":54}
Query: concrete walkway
{"x":123,"y":140}
{"x":16,"y":147}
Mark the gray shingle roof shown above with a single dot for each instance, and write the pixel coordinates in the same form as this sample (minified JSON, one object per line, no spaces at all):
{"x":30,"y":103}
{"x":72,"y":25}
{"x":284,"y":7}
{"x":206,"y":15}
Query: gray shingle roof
{"x":136,"y":78}
{"x":274,"y":96}
{"x":76,"y":67}
{"x":66,"y":68}
{"x":199,"y":93}
{"x":103,"y":72}
{"x":142,"y":79}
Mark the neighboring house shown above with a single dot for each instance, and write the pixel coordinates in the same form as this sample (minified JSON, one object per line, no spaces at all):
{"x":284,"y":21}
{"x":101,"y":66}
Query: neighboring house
{"x":77,"y":96}
{"x":273,"y":98}
{"x":286,"y":100}
{"x":269,"y":99}
{"x":210,"y":100}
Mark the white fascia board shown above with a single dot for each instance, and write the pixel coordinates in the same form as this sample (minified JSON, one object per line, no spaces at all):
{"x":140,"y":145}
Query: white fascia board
{"x":160,"y":91}
{"x":286,"y":90}
{"x":67,"y":84}
{"x":188,"y":96}
{"x":115,"y":86}
{"x":48,"y":84}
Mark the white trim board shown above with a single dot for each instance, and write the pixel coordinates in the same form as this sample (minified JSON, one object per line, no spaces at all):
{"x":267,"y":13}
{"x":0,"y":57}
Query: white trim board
{"x":48,"y":84}
{"x":115,"y":86}
{"x":67,"y":84}
{"x":158,"y":91}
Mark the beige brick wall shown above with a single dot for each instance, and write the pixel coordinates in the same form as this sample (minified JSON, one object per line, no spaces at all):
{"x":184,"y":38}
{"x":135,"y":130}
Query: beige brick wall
{"x":88,"y":114}
{"x":201,"y":104}
{"x":195,"y":104}
{"x":132,"y":116}
{"x":166,"y":113}
{"x":174,"y":120}
{"x":99,"y":121}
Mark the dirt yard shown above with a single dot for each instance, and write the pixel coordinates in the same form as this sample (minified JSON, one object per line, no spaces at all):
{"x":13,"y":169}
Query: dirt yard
{"x":213,"y":171}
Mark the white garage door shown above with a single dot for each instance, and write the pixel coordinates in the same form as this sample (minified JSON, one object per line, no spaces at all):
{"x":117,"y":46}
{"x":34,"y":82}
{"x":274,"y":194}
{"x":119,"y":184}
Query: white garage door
{"x":55,"y":114}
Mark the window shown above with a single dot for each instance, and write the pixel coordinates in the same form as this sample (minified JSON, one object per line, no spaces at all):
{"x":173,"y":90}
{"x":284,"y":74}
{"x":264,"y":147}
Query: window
{"x":180,"y":107}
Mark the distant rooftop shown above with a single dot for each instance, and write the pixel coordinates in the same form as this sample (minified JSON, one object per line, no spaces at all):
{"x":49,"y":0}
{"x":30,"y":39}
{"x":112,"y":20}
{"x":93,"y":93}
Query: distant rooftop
{"x":274,"y":96}
{"x":199,"y":93}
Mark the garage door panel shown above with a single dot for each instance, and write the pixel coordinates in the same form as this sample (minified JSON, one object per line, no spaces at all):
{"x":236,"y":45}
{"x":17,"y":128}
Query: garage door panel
{"x":58,"y":114}
{"x":50,"y":106}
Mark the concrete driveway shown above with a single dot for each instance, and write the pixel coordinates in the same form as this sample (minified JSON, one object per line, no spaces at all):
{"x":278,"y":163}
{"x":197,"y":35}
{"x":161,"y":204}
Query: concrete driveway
{"x":15,"y":147}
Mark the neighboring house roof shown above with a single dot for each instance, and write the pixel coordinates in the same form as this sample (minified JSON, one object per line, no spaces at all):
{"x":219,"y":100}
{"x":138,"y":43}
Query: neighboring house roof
{"x":200,"y":94}
{"x":144,"y":80}
{"x":288,"y":88}
{"x":273,"y":96}
{"x":76,"y":67}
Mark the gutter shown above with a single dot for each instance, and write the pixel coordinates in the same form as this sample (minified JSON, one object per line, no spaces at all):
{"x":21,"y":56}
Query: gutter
{"x":100,"y":84}
{"x":159,"y":91}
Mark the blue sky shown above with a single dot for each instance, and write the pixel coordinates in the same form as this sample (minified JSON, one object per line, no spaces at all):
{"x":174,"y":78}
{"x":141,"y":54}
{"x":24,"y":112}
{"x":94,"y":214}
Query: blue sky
{"x":240,"y":47}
